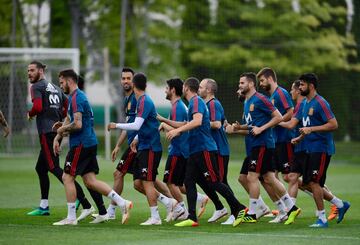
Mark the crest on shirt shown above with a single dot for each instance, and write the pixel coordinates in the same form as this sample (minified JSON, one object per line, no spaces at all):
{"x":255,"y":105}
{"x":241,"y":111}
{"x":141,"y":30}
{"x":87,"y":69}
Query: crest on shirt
{"x":311,"y":111}
{"x":273,"y":101}
{"x":252,"y":107}
{"x":129,"y":106}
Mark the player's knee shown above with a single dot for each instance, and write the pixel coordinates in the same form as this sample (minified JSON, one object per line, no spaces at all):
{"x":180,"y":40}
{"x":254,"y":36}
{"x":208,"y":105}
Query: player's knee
{"x":268,"y":179}
{"x":66,"y":178}
{"x":88,"y":183}
{"x":286,"y":178}
{"x":292,"y":178}
{"x":242,"y":179}
{"x":117,"y":175}
{"x":252,"y":177}
{"x":138,"y":186}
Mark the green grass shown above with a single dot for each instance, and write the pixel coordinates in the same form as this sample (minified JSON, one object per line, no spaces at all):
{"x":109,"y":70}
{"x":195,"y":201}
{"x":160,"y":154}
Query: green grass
{"x":19,"y":193}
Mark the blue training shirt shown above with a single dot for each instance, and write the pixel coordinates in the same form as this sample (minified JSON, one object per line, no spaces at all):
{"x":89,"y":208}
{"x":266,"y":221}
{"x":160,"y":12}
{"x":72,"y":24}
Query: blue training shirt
{"x":179,"y":145}
{"x":281,"y":99}
{"x":257,"y":112}
{"x":149,"y":136}
{"x":130,"y":113}
{"x":217,"y":114}
{"x":78,"y":102}
{"x":317,"y":112}
{"x":298,"y":115}
{"x":200,"y":138}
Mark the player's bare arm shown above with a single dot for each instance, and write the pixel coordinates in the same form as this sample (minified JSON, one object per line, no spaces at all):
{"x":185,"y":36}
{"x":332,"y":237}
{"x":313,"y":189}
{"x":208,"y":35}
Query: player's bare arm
{"x":196,"y":122}
{"x":134,"y":143}
{"x":215,"y":124}
{"x":237,"y":126}
{"x":76,"y":125}
{"x":297,"y":140}
{"x":119,"y":142}
{"x":276,"y":118}
{"x":174,"y":124}
{"x":165,"y":127}
{"x":230,"y":130}
{"x":288,"y":115}
{"x":289,"y":124}
{"x":331,"y":125}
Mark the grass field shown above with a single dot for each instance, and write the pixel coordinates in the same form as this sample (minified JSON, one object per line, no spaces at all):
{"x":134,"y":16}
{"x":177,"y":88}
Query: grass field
{"x":19,"y":193}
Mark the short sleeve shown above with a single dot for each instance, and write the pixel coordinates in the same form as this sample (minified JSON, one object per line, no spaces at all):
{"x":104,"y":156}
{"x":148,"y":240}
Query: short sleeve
{"x":143,"y":108}
{"x":265,"y":105}
{"x":325,"y":110}
{"x":77,"y":104}
{"x":35,"y":92}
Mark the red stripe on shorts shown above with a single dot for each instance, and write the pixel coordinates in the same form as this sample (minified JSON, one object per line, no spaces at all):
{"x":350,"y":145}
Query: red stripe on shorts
{"x":75,"y":160}
{"x":260,"y":159}
{"x":209,"y":166}
{"x":290,"y":152}
{"x":172,"y":168}
{"x":150,"y":165}
{"x":322,"y":167}
{"x":128,"y":160}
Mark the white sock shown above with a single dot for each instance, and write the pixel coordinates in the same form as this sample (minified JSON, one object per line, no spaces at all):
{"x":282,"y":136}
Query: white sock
{"x":44,"y":203}
{"x":155,"y":212}
{"x":287,"y":201}
{"x":163,"y":199}
{"x":322,"y":215}
{"x":252,"y":205}
{"x":281,"y":207}
{"x":317,"y":213}
{"x":293,"y":199}
{"x":308,"y":192}
{"x":179,"y":207}
{"x":261,"y":204}
{"x":111,"y":210}
{"x":200,"y":197}
{"x":116,"y":198}
{"x":182,"y":204}
{"x":337,"y":202}
{"x":71,"y":211}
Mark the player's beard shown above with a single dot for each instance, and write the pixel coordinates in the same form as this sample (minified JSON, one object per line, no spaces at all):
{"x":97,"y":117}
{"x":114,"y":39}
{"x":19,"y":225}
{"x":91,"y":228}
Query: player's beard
{"x":127,"y":87}
{"x":305,"y":92}
{"x":168,"y":96}
{"x":35,"y":78}
{"x":241,"y":97}
{"x":266,"y":87}
{"x":66,"y":88}
{"x":245,"y":90}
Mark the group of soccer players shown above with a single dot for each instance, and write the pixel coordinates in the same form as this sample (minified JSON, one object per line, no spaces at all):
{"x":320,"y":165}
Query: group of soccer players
{"x":198,"y":153}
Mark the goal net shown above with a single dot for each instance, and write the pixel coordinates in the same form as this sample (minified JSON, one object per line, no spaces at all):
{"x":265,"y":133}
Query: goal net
{"x":14,"y":92}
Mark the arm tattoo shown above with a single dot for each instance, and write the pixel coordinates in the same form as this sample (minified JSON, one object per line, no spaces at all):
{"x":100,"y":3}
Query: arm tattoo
{"x":76,"y":125}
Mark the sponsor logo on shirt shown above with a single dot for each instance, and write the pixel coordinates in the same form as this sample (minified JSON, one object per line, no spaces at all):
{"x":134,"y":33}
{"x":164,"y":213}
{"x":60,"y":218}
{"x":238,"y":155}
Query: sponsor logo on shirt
{"x":311,"y":111}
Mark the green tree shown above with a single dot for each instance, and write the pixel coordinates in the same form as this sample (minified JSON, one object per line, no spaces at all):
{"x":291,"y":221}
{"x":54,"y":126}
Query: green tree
{"x":247,"y":37}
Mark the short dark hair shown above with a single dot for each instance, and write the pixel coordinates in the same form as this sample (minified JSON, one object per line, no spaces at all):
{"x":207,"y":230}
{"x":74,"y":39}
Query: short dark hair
{"x":127,"y":69}
{"x":296,"y":84}
{"x":38,"y":64}
{"x":81,"y":82}
{"x":250,"y":76}
{"x":309,"y":78}
{"x":192,"y":83}
{"x":212,"y":85}
{"x":69,"y":73}
{"x":176,"y":83}
{"x":139,"y":81}
{"x":267,"y":72}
